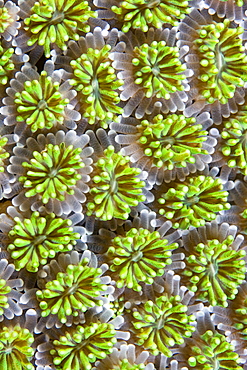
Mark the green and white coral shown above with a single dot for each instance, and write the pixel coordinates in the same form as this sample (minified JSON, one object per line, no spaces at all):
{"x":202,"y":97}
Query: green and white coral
{"x":6,"y":64}
{"x":115,"y":187}
{"x":233,"y":143}
{"x":171,"y":141}
{"x":40,"y":105}
{"x":16,"y":349}
{"x":193,"y":202}
{"x":222,"y":61}
{"x":96,"y":82}
{"x":73,"y":291}
{"x":56,"y":22}
{"x":53,"y":172}
{"x":35,"y":239}
{"x":215,"y":270}
{"x":138,"y":256}
{"x":125,"y":358}
{"x":160,"y":324}
{"x":211,"y":351}
{"x":157,"y":69}
{"x":143,"y":14}
{"x":3,"y":152}
{"x":82,"y":345}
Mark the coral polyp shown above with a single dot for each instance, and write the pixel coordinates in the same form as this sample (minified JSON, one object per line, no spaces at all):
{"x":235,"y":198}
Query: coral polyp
{"x":96,"y":82}
{"x":233,"y":144}
{"x":161,"y":324}
{"x":52,"y":172}
{"x":4,"y":290}
{"x":56,"y":21}
{"x":6,"y":64}
{"x":157,"y":69}
{"x":73,"y":291}
{"x":8,"y":19}
{"x":194,"y":201}
{"x":212,"y":348}
{"x":215,"y":270}
{"x":40,"y":104}
{"x":33,"y":240}
{"x":15,"y":348}
{"x":125,"y":358}
{"x":171,"y":141}
{"x":80,"y":346}
{"x":144,"y":14}
{"x":3,"y":153}
{"x":138,"y":256}
{"x":115,"y":187}
{"x":5,"y":19}
{"x":222,"y":61}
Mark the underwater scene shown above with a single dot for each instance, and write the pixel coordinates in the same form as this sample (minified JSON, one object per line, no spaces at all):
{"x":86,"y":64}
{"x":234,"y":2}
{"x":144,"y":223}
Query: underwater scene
{"x":123,"y":185}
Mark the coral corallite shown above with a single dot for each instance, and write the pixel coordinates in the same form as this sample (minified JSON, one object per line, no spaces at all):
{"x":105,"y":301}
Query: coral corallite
{"x":6,"y":64}
{"x":4,"y":290}
{"x":80,"y":346}
{"x":138,"y":256}
{"x":161,"y":324}
{"x":33,"y":240}
{"x":222,"y":61}
{"x":172,"y":141}
{"x":193,"y":201}
{"x":15,"y":348}
{"x":115,"y":187}
{"x":215,"y":270}
{"x":3,"y":153}
{"x":234,"y":135}
{"x":5,"y":19}
{"x":95,"y":80}
{"x":40,"y":104}
{"x":157,"y":69}
{"x":56,"y":22}
{"x":212,"y":351}
{"x":53,"y":172}
{"x":74,"y":291}
{"x":144,"y":14}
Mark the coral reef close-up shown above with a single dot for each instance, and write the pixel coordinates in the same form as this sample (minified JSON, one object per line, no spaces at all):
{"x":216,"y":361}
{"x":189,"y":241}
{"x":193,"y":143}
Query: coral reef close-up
{"x":123,"y":184}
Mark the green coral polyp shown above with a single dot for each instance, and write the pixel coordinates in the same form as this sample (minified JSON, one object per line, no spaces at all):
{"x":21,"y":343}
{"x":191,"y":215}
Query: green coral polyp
{"x":57,"y":21}
{"x":15,"y":348}
{"x":53,"y":172}
{"x":139,"y":256}
{"x":215,"y":271}
{"x":4,"y":290}
{"x":6,"y":64}
{"x":161,"y":324}
{"x":213,"y":351}
{"x":115,"y":188}
{"x":79,"y":347}
{"x":223,"y":62}
{"x":73,"y":291}
{"x":172,"y":141}
{"x":157,"y":69}
{"x":194,"y":201}
{"x":3,"y":153}
{"x":95,"y":79}
{"x":234,"y":135}
{"x":146,"y":13}
{"x":35,"y":239}
{"x":5,"y":19}
{"x":240,"y":316}
{"x":40,"y":105}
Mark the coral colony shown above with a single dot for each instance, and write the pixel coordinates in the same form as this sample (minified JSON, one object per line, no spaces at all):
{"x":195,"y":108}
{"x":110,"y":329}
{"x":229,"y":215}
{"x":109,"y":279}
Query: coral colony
{"x":123,"y":185}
